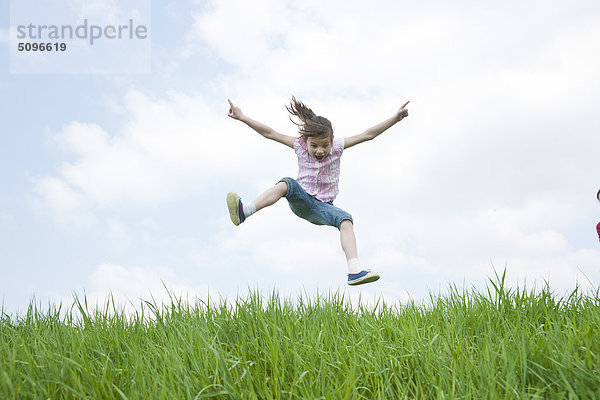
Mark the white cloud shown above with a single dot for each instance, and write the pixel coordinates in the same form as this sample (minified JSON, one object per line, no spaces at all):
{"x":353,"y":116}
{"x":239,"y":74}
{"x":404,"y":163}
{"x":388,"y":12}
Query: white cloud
{"x":64,"y":203}
{"x":129,"y":287}
{"x":135,"y":281}
{"x":336,"y":47}
{"x":168,"y":148}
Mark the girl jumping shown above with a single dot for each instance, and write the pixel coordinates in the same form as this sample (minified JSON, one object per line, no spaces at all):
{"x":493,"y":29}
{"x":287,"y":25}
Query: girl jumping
{"x":311,"y":195}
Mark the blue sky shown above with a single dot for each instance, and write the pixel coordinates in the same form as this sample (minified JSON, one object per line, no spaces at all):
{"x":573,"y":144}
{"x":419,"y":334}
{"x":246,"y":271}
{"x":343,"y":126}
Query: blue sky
{"x":115,"y":183}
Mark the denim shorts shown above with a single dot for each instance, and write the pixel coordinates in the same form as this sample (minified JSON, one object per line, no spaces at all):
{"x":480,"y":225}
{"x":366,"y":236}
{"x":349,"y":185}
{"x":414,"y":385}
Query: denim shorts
{"x":315,"y":211}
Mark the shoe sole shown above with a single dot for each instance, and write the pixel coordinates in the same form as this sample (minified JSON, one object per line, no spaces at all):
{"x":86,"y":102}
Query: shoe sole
{"x":232,"y":204}
{"x":370,"y":277}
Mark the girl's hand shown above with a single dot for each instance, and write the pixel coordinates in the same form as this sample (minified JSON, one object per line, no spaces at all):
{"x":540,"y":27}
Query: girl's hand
{"x":234,"y":112}
{"x":402,"y":112}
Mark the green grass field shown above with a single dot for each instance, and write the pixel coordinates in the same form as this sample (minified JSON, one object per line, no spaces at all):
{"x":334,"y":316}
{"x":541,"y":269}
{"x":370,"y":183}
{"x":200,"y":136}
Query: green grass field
{"x":509,"y":344}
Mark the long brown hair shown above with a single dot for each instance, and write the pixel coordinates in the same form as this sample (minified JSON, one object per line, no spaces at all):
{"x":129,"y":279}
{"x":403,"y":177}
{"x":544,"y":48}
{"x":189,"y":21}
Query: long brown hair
{"x":310,"y":124}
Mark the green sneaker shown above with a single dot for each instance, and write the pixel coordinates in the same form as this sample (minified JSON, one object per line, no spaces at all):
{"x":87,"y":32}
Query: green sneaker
{"x":236,"y":210}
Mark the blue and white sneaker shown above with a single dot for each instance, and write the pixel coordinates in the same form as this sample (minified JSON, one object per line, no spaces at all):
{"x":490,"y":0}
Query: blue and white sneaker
{"x":364,"y":276}
{"x":236,"y":210}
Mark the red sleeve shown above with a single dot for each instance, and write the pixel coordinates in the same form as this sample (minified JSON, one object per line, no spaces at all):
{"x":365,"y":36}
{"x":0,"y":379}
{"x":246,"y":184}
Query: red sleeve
{"x":598,"y":230}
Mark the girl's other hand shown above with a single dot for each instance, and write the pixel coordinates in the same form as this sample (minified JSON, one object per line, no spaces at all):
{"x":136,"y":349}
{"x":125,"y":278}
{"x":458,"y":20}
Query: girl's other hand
{"x":402,"y":112}
{"x":234,"y":112}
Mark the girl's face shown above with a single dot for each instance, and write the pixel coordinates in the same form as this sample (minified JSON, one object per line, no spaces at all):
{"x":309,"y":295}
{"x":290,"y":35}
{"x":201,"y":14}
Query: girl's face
{"x":319,"y":148}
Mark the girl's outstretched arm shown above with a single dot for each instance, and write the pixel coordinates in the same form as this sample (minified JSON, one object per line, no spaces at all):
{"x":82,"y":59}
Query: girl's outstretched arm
{"x":264,"y":130}
{"x":378,"y":129}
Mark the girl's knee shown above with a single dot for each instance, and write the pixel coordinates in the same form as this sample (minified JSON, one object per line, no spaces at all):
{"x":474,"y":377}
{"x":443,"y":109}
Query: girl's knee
{"x":346,"y":224}
{"x":282,"y":187}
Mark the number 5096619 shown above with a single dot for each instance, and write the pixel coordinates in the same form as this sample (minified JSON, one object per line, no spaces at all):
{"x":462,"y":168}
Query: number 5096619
{"x":42,"y":47}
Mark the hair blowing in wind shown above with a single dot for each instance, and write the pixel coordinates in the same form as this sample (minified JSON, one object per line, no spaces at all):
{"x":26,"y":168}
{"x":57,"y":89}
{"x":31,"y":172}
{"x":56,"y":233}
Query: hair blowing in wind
{"x":310,"y":125}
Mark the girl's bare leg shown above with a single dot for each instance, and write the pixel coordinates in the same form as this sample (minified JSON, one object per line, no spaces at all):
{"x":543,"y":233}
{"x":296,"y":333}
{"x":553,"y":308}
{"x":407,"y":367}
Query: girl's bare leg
{"x":357,"y":275}
{"x":348,"y":239}
{"x":271,"y":196}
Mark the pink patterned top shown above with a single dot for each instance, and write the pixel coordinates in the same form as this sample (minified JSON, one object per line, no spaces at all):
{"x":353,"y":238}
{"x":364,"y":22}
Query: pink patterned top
{"x":320,"y":179}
